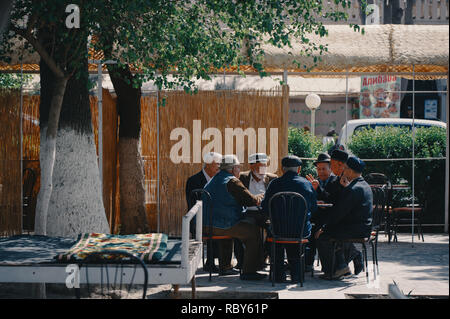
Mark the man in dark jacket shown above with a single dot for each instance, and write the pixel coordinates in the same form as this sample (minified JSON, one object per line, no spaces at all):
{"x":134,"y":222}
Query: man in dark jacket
{"x":198,"y":181}
{"x":329,"y":192}
{"x":210,"y":168}
{"x":325,"y":176}
{"x":350,"y":217}
{"x":291,"y":182}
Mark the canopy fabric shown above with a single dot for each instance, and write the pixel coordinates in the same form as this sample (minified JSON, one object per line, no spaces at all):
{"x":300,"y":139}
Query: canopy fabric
{"x":382,"y":48}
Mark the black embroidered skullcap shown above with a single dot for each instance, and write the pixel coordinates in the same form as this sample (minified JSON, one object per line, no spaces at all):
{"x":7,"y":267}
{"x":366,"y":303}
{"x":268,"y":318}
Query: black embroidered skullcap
{"x":356,"y":164}
{"x":291,"y":161}
{"x":339,"y":155}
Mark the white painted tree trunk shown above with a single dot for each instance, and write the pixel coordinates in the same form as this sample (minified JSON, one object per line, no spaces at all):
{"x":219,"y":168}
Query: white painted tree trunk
{"x":76,"y":204}
{"x":47,"y":155}
{"x":47,"y":158}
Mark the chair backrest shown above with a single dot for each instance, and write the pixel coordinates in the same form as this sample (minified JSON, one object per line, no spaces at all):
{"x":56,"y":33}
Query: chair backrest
{"x":287,"y":212}
{"x":113,"y":286}
{"x":380,"y":180}
{"x":29,"y":179}
{"x":377,"y":178}
{"x":202,"y":194}
{"x":379,"y":202}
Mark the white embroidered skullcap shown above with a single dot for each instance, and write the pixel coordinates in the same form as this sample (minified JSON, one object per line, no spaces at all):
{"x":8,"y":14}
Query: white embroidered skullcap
{"x":212,"y":157}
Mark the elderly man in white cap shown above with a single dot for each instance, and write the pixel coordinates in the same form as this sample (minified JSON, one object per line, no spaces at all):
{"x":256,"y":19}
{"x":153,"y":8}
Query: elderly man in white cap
{"x":230,"y":197}
{"x":211,"y":164}
{"x":257,"y":179}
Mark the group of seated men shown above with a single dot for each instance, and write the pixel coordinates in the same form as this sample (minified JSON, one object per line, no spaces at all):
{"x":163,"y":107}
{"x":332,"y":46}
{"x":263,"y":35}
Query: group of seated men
{"x":240,"y":210}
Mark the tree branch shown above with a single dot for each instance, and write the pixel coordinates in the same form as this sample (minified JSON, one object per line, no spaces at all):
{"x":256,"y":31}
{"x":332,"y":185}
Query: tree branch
{"x":40,"y":49}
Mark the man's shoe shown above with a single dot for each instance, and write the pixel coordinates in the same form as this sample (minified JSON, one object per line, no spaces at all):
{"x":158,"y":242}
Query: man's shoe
{"x":325,"y":276}
{"x":281,"y":278}
{"x":358,"y":263}
{"x":228,"y":272}
{"x":253,"y":276}
{"x":213,"y":268}
{"x":341,"y":272}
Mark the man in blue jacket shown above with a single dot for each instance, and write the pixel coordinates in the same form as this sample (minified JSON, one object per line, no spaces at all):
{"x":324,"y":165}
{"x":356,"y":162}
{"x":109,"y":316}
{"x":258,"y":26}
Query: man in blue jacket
{"x":350,"y":217}
{"x":291,"y":182}
{"x":229,"y":196}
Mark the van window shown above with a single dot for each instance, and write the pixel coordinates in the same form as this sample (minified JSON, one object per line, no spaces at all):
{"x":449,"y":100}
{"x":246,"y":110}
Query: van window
{"x":380,"y":125}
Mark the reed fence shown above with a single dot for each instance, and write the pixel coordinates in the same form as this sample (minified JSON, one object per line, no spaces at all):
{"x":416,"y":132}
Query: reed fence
{"x":197,"y":115}
{"x":215,"y":111}
{"x":10,"y":164}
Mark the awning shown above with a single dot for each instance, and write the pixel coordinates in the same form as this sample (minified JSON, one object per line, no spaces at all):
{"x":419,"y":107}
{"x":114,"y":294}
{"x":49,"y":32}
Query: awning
{"x":382,"y":48}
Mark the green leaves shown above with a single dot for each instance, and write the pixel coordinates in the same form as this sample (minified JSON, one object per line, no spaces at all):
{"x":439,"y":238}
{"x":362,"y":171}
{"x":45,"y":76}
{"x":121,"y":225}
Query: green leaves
{"x":13,"y":81}
{"x":177,"y":41}
{"x":302,"y":144}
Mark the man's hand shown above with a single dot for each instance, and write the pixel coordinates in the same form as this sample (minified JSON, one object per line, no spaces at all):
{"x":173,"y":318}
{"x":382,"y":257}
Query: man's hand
{"x":318,"y":233}
{"x":260,"y":197}
{"x":344,"y":181}
{"x":313,"y":181}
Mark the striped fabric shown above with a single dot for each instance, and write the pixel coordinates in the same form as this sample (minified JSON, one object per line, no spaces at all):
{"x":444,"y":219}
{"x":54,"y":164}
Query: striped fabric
{"x":148,"y":247}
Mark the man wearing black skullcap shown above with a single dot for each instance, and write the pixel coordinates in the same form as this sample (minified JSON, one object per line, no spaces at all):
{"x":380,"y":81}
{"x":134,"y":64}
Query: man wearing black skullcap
{"x":325,"y":176}
{"x":350,"y":217}
{"x":290,"y":181}
{"x":327,"y":192}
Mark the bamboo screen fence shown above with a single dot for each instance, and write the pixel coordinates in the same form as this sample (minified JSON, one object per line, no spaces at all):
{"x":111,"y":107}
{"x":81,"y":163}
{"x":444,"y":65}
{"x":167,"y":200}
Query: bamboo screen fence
{"x":212,"y":110}
{"x":31,"y":142}
{"x":10,"y":165}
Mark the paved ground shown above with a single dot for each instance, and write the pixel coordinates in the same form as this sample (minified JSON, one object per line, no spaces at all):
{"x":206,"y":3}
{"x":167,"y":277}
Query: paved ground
{"x":419,"y":269}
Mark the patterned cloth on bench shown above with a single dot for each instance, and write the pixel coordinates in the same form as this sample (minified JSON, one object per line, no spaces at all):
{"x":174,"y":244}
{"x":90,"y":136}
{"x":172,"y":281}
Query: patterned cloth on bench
{"x":148,"y":247}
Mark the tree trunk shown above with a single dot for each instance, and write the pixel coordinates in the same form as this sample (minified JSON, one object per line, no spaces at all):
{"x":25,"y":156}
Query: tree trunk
{"x":48,"y":131}
{"x":75,"y":202}
{"x":131,"y":171}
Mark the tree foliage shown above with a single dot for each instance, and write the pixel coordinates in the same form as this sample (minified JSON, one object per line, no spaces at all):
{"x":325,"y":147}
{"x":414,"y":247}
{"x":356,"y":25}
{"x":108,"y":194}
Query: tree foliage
{"x":174,"y":43}
{"x":303,"y":144}
{"x":13,"y":81}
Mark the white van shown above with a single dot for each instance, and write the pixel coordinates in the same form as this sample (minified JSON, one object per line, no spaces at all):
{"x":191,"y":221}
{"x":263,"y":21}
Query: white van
{"x":352,"y":126}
